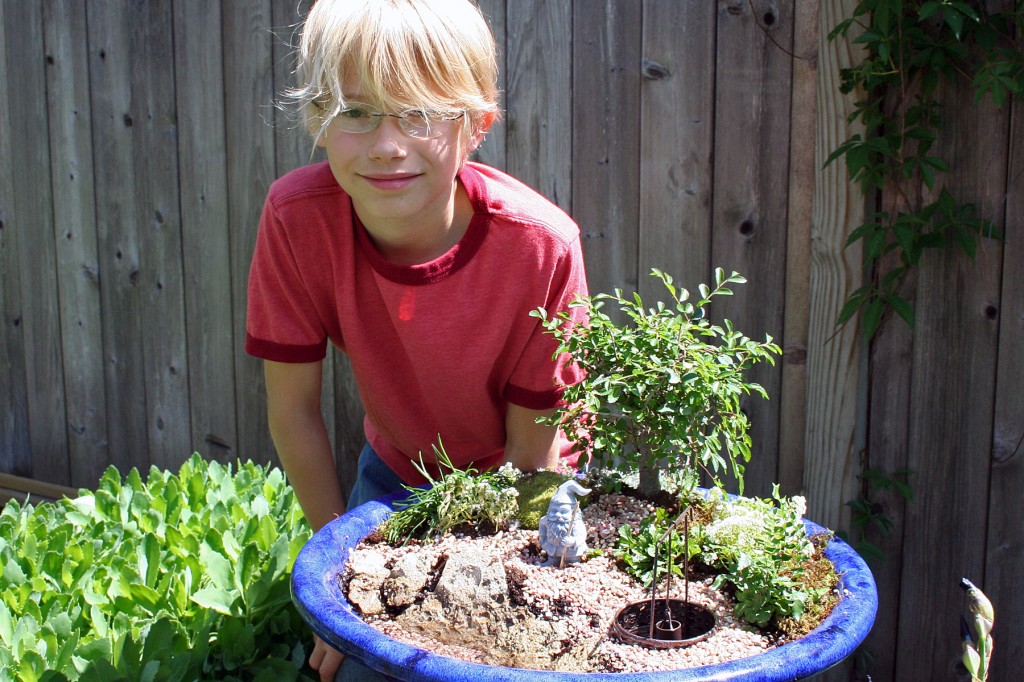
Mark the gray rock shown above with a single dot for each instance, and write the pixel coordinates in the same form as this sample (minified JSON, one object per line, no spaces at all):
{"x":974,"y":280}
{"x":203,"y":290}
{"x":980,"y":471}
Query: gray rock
{"x":407,"y":580}
{"x":472,"y":581}
{"x":366,"y":574}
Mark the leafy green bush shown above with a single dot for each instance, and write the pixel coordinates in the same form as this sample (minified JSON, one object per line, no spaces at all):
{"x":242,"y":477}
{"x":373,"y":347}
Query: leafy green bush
{"x":183,"y":577}
{"x":762,"y":548}
{"x":662,"y":389}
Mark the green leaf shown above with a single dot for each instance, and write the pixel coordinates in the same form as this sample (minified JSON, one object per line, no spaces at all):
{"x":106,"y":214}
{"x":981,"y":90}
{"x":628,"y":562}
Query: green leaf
{"x":220,"y":601}
{"x":146,"y":597}
{"x":851,"y":306}
{"x":217,"y":566}
{"x":903,"y":309}
{"x":955,"y":20}
{"x":872,"y":317}
{"x":929,"y":9}
{"x":13,"y":574}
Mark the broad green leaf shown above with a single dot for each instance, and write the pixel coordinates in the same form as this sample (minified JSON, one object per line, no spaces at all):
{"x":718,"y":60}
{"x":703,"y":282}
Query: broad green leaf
{"x":31,"y":667}
{"x":267,"y":533}
{"x":146,"y":597}
{"x":217,"y":566}
{"x":13,"y":574}
{"x":6,"y":625}
{"x":219,"y":600}
{"x":150,"y":671}
{"x":247,"y":569}
{"x":150,"y":558}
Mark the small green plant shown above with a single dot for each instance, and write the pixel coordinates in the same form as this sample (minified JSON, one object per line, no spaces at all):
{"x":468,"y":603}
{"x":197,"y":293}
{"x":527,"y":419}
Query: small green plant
{"x":762,"y":550}
{"x":637,"y":548}
{"x":869,"y":517}
{"x":976,"y":634}
{"x":458,"y":497}
{"x":181,"y":577}
{"x":662,"y":389}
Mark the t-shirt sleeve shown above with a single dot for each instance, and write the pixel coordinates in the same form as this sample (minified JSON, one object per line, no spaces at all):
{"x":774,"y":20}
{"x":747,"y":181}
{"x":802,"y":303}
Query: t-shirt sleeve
{"x":540,"y":378}
{"x":281,"y":320}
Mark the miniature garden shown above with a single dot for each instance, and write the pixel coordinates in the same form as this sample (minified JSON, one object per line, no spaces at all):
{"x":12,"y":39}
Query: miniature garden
{"x":624,"y":565}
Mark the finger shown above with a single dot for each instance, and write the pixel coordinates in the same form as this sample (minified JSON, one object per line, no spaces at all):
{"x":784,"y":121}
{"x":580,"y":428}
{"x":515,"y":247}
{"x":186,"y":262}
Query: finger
{"x":329,"y":668}
{"x":316,"y":657}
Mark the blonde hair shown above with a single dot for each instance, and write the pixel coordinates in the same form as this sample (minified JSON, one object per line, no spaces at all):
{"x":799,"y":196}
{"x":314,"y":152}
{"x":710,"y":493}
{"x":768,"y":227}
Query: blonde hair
{"x":433,"y":55}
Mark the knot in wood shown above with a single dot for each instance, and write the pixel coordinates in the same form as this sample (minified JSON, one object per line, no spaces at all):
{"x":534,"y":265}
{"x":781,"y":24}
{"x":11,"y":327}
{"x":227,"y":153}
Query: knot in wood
{"x":653,"y":71}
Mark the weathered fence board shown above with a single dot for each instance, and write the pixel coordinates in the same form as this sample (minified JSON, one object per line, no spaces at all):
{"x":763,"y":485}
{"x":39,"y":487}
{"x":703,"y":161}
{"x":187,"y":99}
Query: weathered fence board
{"x":750,"y":196}
{"x":32,"y":205}
{"x":74,"y":214}
{"x":1005,"y":547}
{"x":15,"y":448}
{"x":249,"y":94}
{"x":676,"y":143}
{"x":796,"y":318}
{"x":158,"y":282}
{"x":539,"y":98}
{"x":952,"y":401}
{"x":605,"y":144}
{"x":206,"y":248}
{"x":833,"y":356}
{"x":493,"y":150}
{"x":110,"y":84}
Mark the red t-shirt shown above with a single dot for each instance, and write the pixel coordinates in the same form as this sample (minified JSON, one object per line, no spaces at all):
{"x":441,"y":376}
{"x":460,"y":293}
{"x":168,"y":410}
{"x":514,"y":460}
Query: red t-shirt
{"x":437,"y":349}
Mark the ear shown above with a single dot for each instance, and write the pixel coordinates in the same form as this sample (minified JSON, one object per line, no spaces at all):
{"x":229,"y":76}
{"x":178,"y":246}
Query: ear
{"x":480,"y":128}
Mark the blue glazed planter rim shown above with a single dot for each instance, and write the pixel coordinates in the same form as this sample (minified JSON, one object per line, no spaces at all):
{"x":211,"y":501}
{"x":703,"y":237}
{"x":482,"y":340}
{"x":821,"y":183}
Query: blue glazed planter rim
{"x":317,"y":593}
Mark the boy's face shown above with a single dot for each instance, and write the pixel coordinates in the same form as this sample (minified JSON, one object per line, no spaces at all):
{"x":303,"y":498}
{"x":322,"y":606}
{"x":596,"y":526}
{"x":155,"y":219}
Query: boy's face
{"x":394,"y":178}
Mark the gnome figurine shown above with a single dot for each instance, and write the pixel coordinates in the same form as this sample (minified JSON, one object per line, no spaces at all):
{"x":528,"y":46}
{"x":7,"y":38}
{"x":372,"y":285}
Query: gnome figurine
{"x":562,"y":533}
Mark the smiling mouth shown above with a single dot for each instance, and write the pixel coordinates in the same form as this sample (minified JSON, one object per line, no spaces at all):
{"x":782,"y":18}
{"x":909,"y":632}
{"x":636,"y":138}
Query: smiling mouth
{"x":390,"y":182}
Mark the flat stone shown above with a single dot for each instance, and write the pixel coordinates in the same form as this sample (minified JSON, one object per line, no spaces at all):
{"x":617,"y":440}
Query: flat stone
{"x":472,"y":581}
{"x":367,"y":572}
{"x":407,"y":580}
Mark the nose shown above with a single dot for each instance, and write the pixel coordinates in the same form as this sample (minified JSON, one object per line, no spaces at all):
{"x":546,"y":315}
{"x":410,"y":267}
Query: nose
{"x":388,"y":140}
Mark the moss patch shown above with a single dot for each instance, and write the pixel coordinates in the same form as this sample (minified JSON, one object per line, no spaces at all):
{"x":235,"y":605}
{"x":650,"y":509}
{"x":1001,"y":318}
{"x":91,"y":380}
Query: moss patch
{"x":536,"y":488}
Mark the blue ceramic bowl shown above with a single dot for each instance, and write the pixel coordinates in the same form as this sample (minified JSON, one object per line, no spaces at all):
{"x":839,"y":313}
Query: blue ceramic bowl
{"x":319,"y":598}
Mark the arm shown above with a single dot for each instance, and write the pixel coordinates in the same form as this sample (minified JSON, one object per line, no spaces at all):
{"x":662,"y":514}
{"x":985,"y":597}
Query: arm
{"x":529,"y":445}
{"x":300,"y":437}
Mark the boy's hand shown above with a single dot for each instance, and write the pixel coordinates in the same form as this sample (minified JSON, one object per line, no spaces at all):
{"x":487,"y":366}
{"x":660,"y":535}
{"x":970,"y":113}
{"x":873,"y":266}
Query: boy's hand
{"x":325,"y":659}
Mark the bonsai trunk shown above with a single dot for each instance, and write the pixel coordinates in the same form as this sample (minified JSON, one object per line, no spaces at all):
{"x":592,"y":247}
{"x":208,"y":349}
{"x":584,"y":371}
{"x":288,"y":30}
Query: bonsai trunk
{"x":650,"y":481}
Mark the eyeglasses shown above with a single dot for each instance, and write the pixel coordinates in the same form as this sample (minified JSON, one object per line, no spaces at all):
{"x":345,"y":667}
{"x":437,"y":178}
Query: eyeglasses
{"x":358,"y":117}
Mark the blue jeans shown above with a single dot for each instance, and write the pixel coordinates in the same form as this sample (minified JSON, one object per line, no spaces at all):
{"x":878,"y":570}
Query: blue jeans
{"x":374,"y":479}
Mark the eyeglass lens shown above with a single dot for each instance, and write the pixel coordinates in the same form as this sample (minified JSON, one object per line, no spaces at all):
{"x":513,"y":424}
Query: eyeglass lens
{"x":362,"y":118}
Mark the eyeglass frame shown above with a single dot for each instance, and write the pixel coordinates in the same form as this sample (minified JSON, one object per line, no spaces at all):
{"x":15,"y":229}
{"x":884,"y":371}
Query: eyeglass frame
{"x":404,"y":120}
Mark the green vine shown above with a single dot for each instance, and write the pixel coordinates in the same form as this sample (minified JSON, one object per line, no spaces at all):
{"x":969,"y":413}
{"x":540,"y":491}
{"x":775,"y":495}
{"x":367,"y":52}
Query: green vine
{"x":869,"y":517}
{"x":910,"y":49}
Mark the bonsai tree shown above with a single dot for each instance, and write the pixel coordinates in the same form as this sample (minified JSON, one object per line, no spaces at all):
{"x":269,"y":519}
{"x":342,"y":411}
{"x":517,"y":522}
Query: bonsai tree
{"x":663,"y":386}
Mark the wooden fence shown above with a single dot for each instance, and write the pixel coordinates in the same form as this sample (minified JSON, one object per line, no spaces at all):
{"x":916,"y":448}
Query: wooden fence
{"x":138,"y":138}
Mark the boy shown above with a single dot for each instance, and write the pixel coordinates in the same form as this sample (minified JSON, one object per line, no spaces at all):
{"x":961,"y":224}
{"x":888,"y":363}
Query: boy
{"x":421,"y":266}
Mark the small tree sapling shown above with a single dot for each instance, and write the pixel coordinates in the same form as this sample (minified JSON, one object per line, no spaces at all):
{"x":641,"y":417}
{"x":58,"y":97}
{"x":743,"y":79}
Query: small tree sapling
{"x":663,"y":388}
